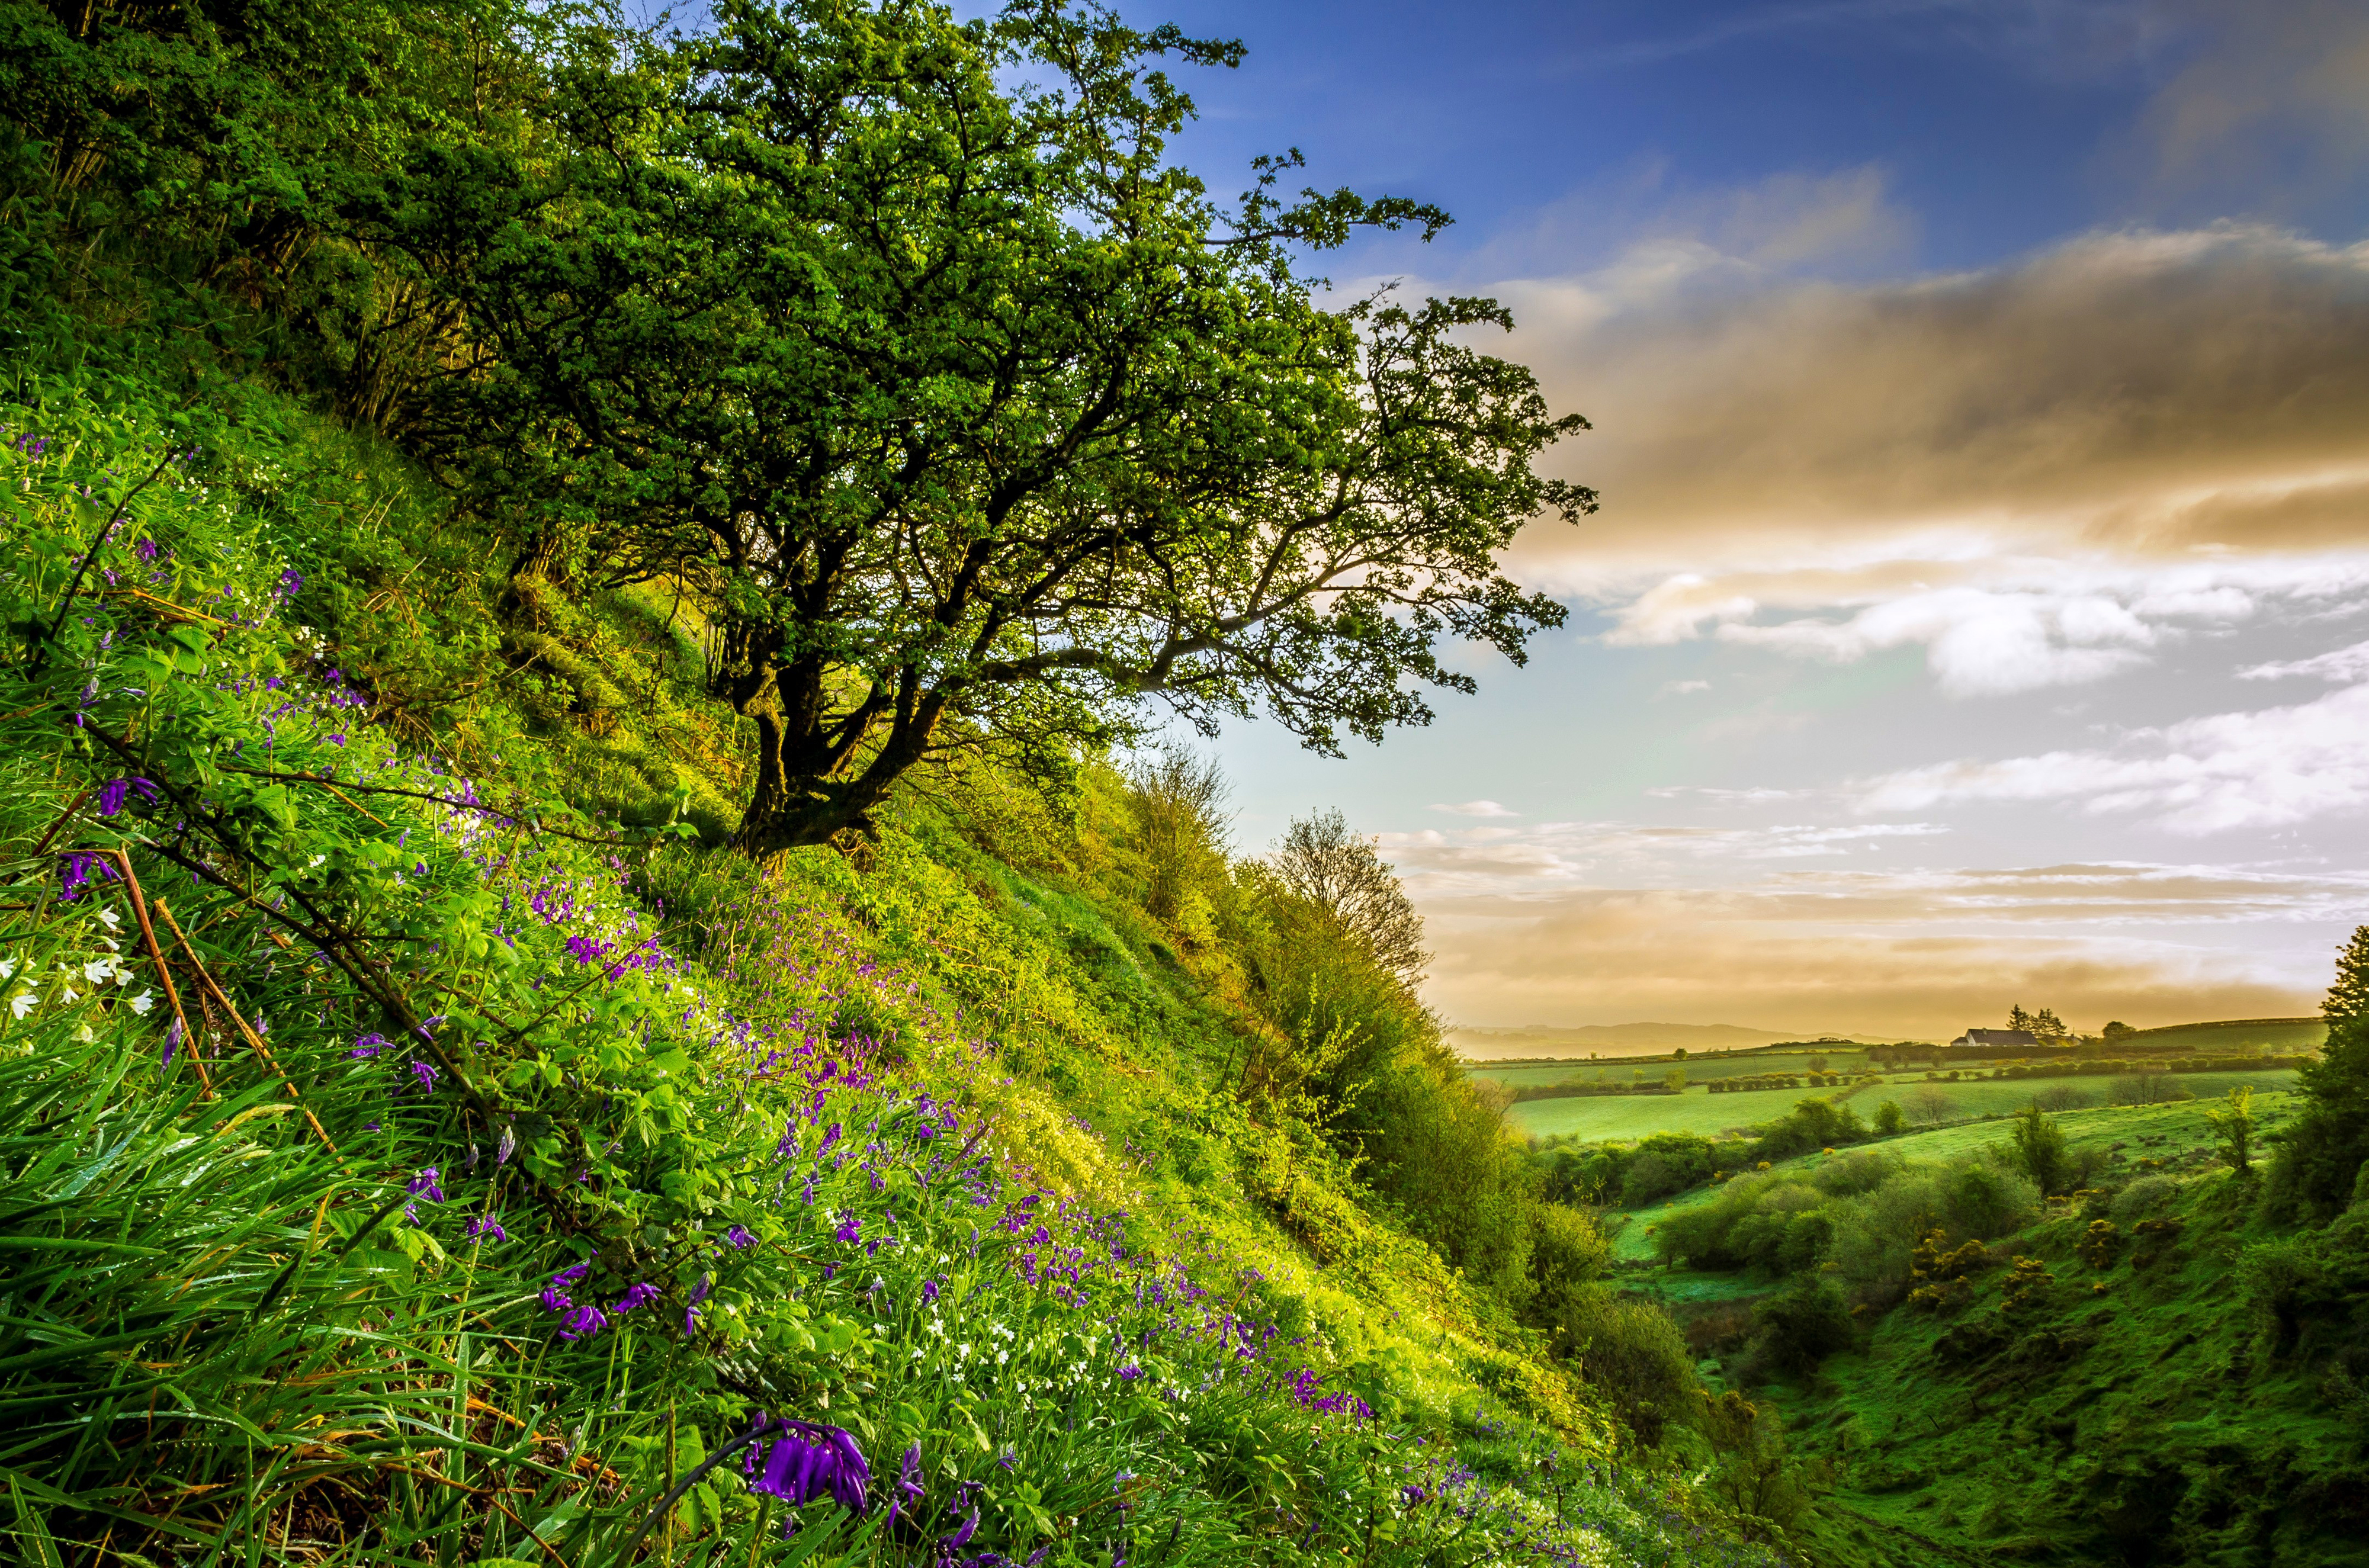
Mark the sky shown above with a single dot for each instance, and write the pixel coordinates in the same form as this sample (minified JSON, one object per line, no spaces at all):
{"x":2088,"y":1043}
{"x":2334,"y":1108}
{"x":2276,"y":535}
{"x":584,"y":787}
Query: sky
{"x":1978,"y":611}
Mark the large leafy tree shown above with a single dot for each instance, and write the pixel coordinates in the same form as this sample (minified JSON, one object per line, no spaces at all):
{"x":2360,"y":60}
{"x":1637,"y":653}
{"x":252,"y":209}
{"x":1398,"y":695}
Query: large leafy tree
{"x":966,"y":409}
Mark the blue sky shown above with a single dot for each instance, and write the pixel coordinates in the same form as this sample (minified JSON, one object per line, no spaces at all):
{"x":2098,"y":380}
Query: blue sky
{"x":1979,"y":611}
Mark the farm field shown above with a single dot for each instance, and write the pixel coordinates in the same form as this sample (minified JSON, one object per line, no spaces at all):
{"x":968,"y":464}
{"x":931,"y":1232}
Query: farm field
{"x":1700,"y":1110}
{"x":1842,"y":1058}
{"x":2181,"y":1125}
{"x":2306,"y":1034}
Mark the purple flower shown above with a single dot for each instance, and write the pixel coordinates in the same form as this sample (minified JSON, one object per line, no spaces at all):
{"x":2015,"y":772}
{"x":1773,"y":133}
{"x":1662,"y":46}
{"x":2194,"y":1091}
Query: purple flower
{"x":508,"y":1146}
{"x":290,"y":581}
{"x":425,"y":1076}
{"x":691,"y":1314}
{"x":145,"y":549}
{"x":555,"y":1295}
{"x":851,"y":1228}
{"x":740,"y":1238}
{"x":829,"y":1137}
{"x":76,"y":869}
{"x":928,"y":1292}
{"x":583,"y":1323}
{"x":1129,"y":1373}
{"x":487,"y":1225}
{"x":172,"y":1040}
{"x":911,"y":1493}
{"x":635,"y":1295}
{"x":426,"y":1185}
{"x":112,"y":793}
{"x":368,"y":1046}
{"x":963,"y":1532}
{"x":809,"y":1461}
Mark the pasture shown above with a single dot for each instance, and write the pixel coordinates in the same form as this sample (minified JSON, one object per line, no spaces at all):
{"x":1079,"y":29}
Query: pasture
{"x":1700,"y":1110}
{"x":2181,"y":1124}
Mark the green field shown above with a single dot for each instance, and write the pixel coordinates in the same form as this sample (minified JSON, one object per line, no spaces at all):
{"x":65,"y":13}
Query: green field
{"x":1623,"y":1070}
{"x":2215,"y":1038}
{"x":1700,"y":1110}
{"x":2181,"y":1125}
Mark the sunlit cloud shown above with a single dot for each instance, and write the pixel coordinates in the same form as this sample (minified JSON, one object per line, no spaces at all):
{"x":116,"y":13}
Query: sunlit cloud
{"x":2212,"y":774}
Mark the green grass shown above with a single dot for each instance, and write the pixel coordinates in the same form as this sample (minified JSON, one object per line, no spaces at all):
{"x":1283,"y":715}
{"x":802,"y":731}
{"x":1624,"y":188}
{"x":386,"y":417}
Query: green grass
{"x":2181,"y":1126}
{"x":1700,"y":1110}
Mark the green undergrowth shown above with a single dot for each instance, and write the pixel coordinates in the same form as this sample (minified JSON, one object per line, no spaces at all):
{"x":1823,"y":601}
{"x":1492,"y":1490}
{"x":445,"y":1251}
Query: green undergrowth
{"x":2137,"y":1407}
{"x":420,"y":1150}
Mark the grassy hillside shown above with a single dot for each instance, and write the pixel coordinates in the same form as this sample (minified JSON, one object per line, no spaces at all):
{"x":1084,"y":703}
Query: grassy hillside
{"x":422,"y":1150}
{"x":2276,"y":1038}
{"x":2172,"y":1135}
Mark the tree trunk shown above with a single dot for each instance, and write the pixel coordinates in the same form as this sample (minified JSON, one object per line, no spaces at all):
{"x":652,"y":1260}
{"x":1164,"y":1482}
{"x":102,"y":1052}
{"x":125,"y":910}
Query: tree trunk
{"x":791,"y":808}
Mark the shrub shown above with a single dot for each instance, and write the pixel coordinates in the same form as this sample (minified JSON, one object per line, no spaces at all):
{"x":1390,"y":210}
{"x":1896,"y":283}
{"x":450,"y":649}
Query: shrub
{"x":1634,"y":1354}
{"x":2143,"y":1197}
{"x":1801,"y":1326}
{"x":2060,"y":1097}
{"x":1888,"y":1118}
{"x":2040,"y":1150}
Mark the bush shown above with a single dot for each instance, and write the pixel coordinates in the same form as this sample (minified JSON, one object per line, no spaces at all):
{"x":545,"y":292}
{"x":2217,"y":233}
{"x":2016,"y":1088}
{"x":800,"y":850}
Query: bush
{"x":2143,"y":1197}
{"x":1634,"y":1354}
{"x":1663,"y":1165}
{"x":1801,"y":1326}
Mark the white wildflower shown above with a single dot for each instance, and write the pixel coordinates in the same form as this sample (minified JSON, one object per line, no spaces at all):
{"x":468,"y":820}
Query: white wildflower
{"x":112,"y":919}
{"x":24,"y":1001}
{"x":99,"y":970}
{"x":143,"y":1002}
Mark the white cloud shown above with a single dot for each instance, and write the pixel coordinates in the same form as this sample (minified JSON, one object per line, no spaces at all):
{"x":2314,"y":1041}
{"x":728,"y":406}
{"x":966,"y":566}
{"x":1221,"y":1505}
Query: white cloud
{"x":1477,"y":808}
{"x":2344,"y":664}
{"x":2212,"y":774}
{"x":1683,"y":688}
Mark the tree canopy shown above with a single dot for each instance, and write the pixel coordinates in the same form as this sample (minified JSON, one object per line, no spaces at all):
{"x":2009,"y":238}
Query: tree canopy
{"x":960,"y":407}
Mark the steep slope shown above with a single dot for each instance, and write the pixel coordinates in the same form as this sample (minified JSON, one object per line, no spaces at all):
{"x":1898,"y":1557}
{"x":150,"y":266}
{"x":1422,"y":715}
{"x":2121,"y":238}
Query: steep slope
{"x":420,"y":1150}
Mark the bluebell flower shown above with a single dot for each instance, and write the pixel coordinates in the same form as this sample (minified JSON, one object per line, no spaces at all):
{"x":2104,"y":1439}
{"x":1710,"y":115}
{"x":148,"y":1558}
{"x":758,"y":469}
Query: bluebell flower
{"x":809,"y":1460}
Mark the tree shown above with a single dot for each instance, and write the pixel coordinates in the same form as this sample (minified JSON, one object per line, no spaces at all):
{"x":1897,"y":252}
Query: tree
{"x":2234,"y":1124}
{"x":2116,"y":1030}
{"x":1178,"y":801}
{"x":1321,"y":861}
{"x":2040,"y":1150}
{"x":963,"y":411}
{"x":1888,"y":1119}
{"x":2047,"y":1025}
{"x":2017,"y":1018}
{"x":2321,"y":1156}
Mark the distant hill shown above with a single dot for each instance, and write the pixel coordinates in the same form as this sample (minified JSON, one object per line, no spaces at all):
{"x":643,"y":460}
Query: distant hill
{"x":1548,"y":1042}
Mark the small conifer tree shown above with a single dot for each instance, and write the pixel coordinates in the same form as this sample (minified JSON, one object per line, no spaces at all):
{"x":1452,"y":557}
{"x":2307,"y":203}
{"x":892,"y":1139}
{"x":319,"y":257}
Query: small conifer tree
{"x":2322,"y":1154}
